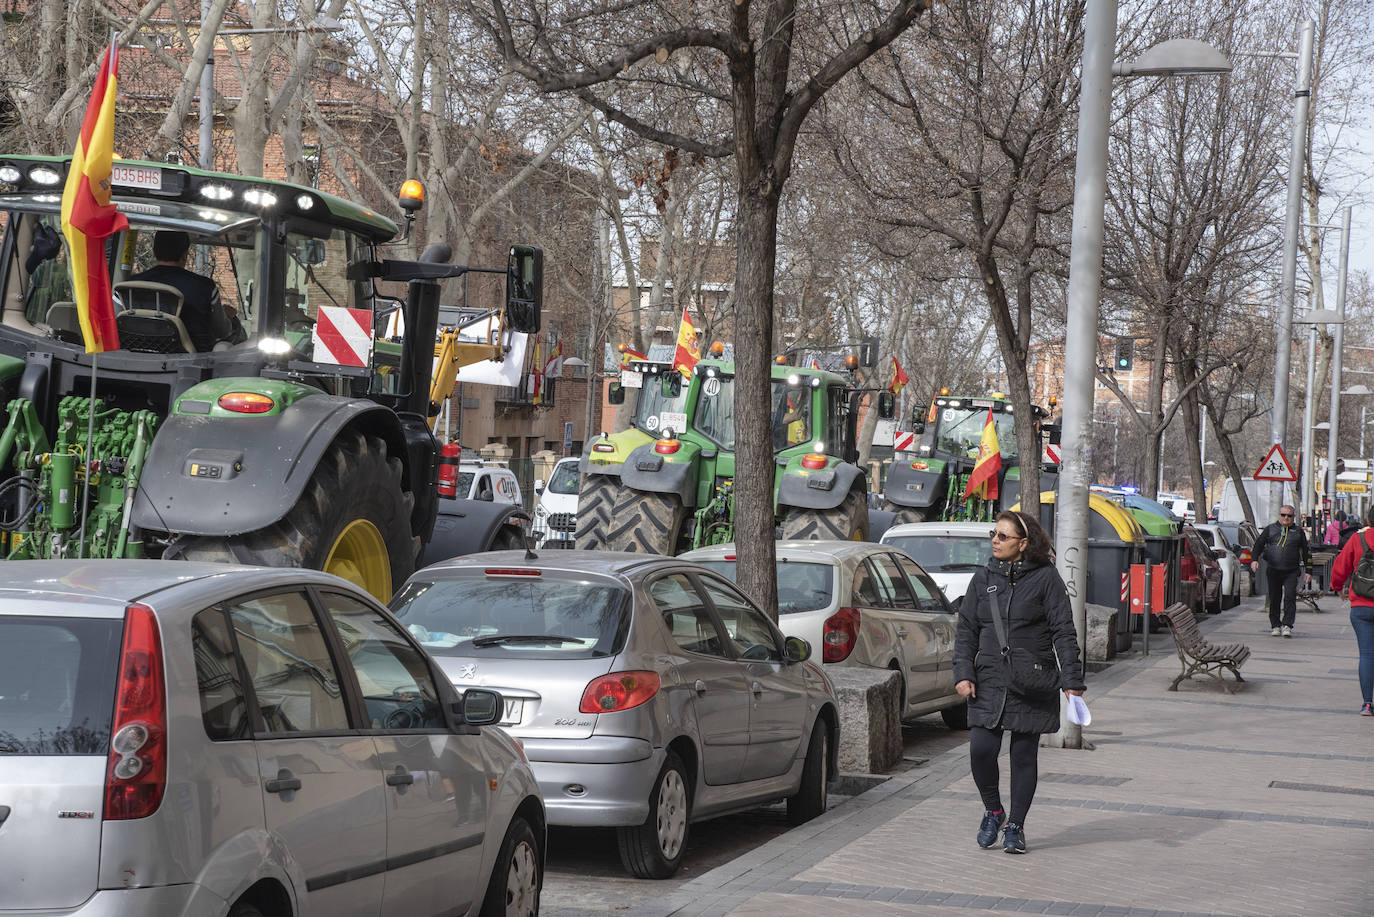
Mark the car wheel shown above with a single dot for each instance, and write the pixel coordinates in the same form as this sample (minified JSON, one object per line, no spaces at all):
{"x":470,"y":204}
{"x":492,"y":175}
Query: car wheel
{"x":955,"y":717}
{"x":813,"y":795}
{"x":244,"y":909}
{"x":654,"y":850}
{"x":515,"y":881}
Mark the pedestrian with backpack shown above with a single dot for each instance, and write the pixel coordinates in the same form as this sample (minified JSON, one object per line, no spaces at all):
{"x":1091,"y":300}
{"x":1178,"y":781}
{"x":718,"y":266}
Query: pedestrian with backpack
{"x":1283,"y":545}
{"x":1355,"y":565}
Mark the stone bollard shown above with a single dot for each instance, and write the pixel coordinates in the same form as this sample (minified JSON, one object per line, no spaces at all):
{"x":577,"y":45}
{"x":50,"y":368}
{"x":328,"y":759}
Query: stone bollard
{"x":1100,"y":639}
{"x":870,"y":724}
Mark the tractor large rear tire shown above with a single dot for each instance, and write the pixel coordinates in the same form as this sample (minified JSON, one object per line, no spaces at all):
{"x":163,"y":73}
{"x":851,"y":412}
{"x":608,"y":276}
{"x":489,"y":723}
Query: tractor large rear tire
{"x":595,"y":503}
{"x":644,"y":522}
{"x":353,"y":520}
{"x":904,"y":514}
{"x":846,"y":522}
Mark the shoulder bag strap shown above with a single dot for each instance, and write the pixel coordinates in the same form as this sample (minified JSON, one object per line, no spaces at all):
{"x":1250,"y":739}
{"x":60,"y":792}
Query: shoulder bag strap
{"x":997,"y":624}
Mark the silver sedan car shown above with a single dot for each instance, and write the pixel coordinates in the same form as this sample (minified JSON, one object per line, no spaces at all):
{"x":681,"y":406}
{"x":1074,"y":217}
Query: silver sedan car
{"x":647,"y":692}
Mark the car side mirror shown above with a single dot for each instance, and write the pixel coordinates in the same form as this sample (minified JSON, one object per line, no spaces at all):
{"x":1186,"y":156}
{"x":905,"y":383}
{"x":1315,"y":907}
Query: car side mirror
{"x":480,"y":707}
{"x":615,"y":393}
{"x":887,"y":405}
{"x":795,"y":649}
{"x":539,"y":485}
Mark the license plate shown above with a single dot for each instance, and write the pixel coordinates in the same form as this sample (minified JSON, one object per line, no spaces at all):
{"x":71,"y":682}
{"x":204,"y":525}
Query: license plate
{"x":145,"y":177}
{"x":511,"y":716}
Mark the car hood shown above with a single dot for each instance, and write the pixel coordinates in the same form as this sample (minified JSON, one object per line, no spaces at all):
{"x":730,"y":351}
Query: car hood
{"x":542,"y":695}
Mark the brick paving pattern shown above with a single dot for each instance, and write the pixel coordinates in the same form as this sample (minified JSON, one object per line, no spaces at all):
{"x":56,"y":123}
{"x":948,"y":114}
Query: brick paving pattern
{"x":1191,"y":803}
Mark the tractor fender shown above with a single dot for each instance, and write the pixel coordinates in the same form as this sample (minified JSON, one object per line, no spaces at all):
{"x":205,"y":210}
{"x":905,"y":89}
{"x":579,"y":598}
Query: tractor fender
{"x":825,"y":489}
{"x":611,"y":469}
{"x":907,"y":486}
{"x":646,"y":470}
{"x":220,"y":476}
{"x":471,"y":526}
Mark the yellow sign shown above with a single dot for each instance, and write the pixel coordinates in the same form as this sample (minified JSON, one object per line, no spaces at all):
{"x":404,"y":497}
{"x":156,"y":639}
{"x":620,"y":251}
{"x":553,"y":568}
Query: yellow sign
{"x":1343,"y":487}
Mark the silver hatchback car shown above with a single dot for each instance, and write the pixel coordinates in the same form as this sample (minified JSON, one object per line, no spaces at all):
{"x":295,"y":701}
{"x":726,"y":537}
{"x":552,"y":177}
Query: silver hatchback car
{"x":201,"y":740}
{"x":648,"y":692}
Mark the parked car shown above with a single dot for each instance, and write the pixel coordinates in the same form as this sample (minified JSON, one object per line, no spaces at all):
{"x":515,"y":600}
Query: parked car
{"x":1243,"y":535}
{"x":867,"y":605}
{"x":1199,"y":567}
{"x":1228,"y":560}
{"x":647,"y":691}
{"x":181,"y":738}
{"x":555,"y":513}
{"x":951,"y":552}
{"x":490,"y":481}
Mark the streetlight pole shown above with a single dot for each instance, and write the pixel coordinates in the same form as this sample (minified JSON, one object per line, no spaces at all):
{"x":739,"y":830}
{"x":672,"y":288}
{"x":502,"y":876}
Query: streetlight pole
{"x":1302,"y":95}
{"x":1332,"y":444}
{"x":1306,"y":494}
{"x":1085,"y":279}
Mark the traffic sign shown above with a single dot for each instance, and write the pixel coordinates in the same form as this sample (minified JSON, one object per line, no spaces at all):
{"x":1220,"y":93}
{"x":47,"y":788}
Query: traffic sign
{"x":1275,"y":467}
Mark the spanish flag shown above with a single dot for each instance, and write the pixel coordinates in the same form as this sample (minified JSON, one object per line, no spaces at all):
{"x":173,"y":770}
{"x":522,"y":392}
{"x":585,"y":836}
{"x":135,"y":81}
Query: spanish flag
{"x":688,"y":352}
{"x":983,"y":481}
{"x":899,"y":378}
{"x":88,"y":217}
{"x":628,"y":353}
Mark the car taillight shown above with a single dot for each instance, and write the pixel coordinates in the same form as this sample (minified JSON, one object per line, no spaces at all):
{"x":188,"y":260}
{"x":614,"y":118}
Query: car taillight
{"x":840,"y":635}
{"x":813,"y":461}
{"x":603,"y":447}
{"x":618,"y":691}
{"x":137,"y":771}
{"x":1245,"y":556}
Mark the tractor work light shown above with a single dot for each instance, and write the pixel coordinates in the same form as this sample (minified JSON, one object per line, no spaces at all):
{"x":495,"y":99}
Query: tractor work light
{"x":216,"y":192}
{"x":274,"y":346}
{"x":10,"y":174}
{"x":44,"y":175}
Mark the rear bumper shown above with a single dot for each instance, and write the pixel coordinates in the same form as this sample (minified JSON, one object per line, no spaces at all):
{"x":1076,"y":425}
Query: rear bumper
{"x":162,"y":901}
{"x":599,"y":782}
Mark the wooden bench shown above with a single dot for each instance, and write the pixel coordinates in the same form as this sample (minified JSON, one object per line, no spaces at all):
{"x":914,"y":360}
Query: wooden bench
{"x":1196,"y":654}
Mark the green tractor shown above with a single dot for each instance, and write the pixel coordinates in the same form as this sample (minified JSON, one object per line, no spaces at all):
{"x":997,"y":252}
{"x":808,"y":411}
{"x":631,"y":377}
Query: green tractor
{"x":667,"y":484}
{"x":927,"y":481}
{"x":301,"y":438}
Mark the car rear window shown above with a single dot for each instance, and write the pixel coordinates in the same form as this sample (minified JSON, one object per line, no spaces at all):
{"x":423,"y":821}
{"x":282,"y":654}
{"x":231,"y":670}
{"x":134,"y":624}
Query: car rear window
{"x":57,"y":684}
{"x":945,"y":553}
{"x":802,"y":586}
{"x":471,"y":613}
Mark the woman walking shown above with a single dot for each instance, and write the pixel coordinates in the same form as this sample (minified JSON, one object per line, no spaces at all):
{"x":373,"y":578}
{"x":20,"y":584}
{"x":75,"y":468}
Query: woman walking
{"x":1033,"y":621}
{"x":1361,"y":607}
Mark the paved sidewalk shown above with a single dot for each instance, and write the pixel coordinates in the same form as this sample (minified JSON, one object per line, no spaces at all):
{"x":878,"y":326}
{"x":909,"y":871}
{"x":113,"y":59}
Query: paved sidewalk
{"x":1196,"y":802}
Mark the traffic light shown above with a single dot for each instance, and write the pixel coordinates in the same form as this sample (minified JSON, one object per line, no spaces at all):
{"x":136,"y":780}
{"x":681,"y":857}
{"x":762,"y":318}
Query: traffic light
{"x":1125,"y":353}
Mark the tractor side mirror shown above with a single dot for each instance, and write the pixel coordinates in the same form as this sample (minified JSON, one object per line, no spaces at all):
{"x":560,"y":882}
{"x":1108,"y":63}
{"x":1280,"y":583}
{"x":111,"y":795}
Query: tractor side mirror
{"x":615,"y":394}
{"x":868,"y":352}
{"x":1056,"y":432}
{"x":524,"y":288}
{"x":887,"y":405}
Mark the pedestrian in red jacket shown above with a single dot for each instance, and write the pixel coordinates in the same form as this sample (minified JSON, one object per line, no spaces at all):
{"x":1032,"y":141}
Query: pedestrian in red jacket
{"x":1361,"y":607}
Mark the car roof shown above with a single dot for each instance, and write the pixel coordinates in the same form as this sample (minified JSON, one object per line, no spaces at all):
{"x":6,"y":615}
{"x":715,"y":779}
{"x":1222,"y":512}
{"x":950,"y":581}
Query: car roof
{"x":815,"y":549}
{"x":607,"y":563}
{"x":121,"y":581}
{"x":939,"y":528}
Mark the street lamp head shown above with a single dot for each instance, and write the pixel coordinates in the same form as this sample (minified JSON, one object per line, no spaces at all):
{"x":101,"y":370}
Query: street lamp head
{"x":1320,"y":317}
{"x":1358,"y":389}
{"x":1176,"y":57}
{"x":1324,"y":425}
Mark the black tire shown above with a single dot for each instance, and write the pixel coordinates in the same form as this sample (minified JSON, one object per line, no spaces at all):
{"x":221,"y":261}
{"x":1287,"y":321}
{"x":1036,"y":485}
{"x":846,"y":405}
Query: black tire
{"x":516,"y":878}
{"x":595,"y":503}
{"x":901,"y":515}
{"x":245,"y":909}
{"x":509,"y":538}
{"x":654,"y":850}
{"x":846,"y":522}
{"x":645,"y":523}
{"x":813,"y":795}
{"x":955,"y":717}
{"x":356,"y":480}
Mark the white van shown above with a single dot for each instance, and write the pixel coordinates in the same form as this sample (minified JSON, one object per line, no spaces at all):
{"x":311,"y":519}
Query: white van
{"x":555,"y":513}
{"x":489,"y":481}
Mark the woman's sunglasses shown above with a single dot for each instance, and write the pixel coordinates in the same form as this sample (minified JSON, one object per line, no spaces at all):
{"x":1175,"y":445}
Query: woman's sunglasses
{"x":996,"y":536}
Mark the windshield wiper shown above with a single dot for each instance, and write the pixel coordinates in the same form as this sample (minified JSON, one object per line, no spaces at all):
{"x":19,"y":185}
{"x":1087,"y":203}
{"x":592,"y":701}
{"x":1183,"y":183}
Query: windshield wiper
{"x":496,"y":639}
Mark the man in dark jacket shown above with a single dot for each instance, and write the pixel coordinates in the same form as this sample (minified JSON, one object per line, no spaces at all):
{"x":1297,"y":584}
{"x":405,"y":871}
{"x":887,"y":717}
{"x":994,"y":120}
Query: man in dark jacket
{"x":206,"y":319}
{"x":1283,"y":545}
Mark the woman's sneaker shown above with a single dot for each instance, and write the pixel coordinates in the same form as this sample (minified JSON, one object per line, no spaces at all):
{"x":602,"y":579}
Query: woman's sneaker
{"x":1366,"y":710}
{"x":987,"y":831}
{"x":1014,"y":839}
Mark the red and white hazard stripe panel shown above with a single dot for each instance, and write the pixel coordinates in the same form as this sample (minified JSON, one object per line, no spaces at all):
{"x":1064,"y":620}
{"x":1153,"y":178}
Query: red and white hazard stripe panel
{"x":1125,"y":585}
{"x":1052,"y":454}
{"x":904,"y":442}
{"x":343,"y":336}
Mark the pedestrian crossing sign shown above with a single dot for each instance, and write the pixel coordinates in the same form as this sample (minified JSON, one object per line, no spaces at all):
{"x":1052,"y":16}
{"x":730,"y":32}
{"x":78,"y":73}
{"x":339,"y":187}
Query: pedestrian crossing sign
{"x":1275,"y":467}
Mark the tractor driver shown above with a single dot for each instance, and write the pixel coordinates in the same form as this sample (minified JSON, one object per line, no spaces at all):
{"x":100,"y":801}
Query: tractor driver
{"x":207,"y":320}
{"x":790,"y":428}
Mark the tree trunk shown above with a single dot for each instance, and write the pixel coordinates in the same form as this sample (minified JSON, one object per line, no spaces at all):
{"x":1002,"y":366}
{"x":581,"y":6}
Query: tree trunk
{"x":755,"y":268}
{"x":1228,"y":455}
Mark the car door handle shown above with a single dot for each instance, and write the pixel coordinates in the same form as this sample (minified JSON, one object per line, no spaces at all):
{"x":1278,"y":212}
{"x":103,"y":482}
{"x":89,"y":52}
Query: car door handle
{"x":284,"y":782}
{"x":756,"y":688}
{"x":700,"y":686}
{"x":401,"y":777}
{"x":901,"y":631}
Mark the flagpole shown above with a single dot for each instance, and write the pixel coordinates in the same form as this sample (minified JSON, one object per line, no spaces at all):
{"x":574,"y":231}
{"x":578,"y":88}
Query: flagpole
{"x":86,"y":460}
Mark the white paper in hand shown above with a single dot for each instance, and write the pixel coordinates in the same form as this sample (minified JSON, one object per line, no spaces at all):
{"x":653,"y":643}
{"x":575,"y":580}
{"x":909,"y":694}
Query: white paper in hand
{"x":1078,"y":711}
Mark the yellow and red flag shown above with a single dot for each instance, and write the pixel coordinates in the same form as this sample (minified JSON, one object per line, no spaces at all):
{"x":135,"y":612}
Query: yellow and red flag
{"x":814,"y":364}
{"x":899,"y":378}
{"x":688,"y":351}
{"x":983,"y":481}
{"x":536,"y":377}
{"x":933,"y":412}
{"x":88,"y":217}
{"x":628,"y":353}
